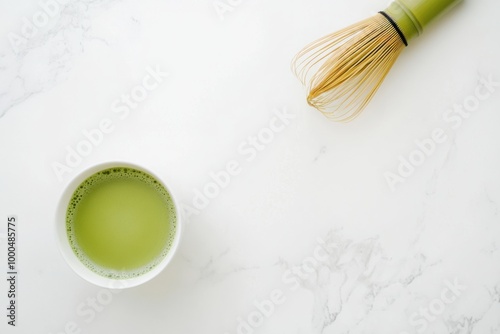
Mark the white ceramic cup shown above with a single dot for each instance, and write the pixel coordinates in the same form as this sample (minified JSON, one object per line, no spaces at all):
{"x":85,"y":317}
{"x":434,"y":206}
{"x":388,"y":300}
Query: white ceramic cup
{"x":68,"y":253}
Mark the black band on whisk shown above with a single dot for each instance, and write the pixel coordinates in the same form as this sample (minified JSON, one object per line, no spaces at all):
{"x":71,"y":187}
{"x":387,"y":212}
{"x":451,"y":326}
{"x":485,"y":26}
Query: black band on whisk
{"x":395,"y":25}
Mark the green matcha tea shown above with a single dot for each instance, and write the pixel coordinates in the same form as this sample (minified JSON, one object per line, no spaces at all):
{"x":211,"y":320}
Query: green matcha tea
{"x":121,"y":222}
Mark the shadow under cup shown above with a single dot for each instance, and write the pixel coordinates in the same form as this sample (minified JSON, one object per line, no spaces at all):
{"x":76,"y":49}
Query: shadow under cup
{"x":117,"y":225}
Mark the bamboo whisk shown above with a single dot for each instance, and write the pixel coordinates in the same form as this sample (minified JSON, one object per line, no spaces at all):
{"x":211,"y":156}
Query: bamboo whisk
{"x":342,"y":71}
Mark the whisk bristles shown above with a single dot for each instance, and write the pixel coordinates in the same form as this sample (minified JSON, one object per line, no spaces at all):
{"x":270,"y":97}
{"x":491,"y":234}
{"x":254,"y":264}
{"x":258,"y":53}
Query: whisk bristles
{"x":342,"y":71}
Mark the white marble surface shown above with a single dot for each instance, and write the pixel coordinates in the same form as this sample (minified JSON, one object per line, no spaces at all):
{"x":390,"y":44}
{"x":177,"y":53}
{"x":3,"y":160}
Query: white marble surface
{"x":423,"y":257}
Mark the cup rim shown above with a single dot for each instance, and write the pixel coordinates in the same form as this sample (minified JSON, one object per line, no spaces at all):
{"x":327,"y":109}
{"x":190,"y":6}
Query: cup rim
{"x":67,"y":251}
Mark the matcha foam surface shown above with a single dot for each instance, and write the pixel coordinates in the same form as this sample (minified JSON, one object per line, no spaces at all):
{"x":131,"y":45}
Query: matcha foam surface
{"x":121,"y":222}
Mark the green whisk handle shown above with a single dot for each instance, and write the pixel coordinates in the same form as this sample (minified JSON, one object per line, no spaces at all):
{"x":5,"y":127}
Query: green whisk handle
{"x":412,"y":16}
